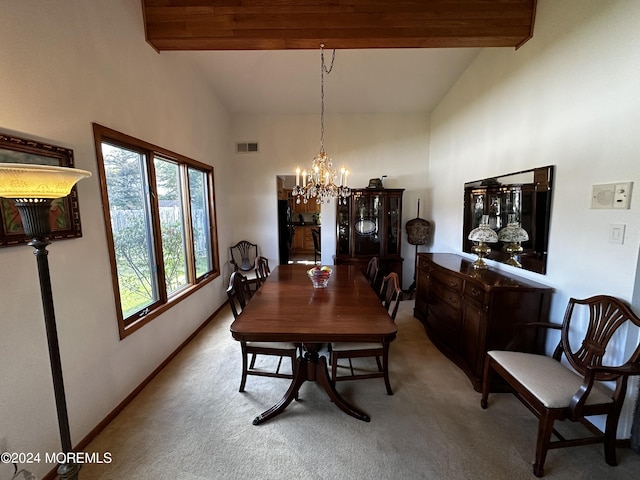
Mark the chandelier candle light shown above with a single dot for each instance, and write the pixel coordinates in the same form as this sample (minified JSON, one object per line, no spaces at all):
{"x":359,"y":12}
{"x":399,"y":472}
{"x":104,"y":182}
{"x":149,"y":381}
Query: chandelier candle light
{"x":33,"y":188}
{"x":320,"y":181}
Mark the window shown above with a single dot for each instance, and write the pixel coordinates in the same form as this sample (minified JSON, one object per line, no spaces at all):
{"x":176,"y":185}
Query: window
{"x":160,"y":218}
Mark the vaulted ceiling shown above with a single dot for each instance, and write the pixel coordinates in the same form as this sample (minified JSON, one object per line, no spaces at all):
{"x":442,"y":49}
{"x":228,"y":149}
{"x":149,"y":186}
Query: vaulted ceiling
{"x":262,"y":56}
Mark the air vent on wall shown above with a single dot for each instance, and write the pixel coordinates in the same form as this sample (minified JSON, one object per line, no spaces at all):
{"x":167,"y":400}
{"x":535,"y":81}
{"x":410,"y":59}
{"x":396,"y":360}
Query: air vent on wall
{"x":246,"y":147}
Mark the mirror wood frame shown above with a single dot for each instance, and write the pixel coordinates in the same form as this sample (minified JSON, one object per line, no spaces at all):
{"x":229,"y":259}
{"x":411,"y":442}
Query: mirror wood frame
{"x":527,"y":195}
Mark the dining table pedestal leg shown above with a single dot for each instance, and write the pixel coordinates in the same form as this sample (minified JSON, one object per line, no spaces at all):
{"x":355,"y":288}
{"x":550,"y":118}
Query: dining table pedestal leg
{"x":311,"y":367}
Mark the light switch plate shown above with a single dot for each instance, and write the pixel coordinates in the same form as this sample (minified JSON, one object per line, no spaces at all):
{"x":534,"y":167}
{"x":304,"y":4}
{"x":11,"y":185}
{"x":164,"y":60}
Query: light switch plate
{"x":616,"y":233}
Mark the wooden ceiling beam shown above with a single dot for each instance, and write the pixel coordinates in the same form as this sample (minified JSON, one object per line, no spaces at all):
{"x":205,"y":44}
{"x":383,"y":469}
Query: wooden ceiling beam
{"x":289,"y":24}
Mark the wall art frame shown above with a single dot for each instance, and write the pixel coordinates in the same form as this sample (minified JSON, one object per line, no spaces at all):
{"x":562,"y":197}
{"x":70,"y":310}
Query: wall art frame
{"x":65,"y":211}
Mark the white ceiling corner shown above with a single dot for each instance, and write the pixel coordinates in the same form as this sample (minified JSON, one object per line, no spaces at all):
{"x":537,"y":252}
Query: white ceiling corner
{"x":362,"y":81}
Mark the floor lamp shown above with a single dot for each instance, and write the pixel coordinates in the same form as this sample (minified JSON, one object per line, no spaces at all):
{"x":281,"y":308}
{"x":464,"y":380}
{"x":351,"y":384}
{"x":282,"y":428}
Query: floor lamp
{"x":33,"y":188}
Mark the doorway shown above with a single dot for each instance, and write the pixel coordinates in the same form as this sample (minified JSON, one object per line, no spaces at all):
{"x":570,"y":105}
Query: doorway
{"x":297,"y":223}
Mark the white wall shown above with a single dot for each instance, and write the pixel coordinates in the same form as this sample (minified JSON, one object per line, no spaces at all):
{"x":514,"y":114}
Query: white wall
{"x":569,"y":98}
{"x":66,"y":64}
{"x":369,"y":145}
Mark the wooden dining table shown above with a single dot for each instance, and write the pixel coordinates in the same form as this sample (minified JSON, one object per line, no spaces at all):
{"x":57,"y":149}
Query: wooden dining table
{"x":287,"y":308}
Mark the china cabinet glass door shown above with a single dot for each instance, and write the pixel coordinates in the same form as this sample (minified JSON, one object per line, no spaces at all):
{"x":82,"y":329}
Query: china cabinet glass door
{"x":344,"y":230}
{"x":367,"y":224}
{"x":393,"y":225}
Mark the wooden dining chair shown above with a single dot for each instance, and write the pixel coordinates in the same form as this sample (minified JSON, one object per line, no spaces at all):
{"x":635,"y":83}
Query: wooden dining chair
{"x":380,"y":351}
{"x":238,"y":293}
{"x":373,"y":270}
{"x":243,"y":259}
{"x":317,"y":253}
{"x":388,"y":293}
{"x":553,"y":391}
{"x":262,"y":269}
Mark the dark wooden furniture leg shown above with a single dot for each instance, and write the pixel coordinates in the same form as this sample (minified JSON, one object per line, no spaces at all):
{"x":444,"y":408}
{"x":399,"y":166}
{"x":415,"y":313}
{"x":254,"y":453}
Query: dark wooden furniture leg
{"x":322,"y":376}
{"x":312,"y":367}
{"x":291,"y":393}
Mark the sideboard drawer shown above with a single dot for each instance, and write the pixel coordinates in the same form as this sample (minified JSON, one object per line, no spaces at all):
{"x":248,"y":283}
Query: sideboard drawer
{"x":445,"y":278}
{"x":450,"y":297}
{"x":445,"y":322}
{"x":423,"y":263}
{"x":475,"y":291}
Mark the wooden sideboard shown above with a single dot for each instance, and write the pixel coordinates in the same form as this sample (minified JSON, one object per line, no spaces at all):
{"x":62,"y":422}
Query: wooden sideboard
{"x":467,"y":312}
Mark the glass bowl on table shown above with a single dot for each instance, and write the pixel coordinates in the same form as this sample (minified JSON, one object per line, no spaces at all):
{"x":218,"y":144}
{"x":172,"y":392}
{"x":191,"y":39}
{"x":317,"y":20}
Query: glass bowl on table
{"x":319,"y":276}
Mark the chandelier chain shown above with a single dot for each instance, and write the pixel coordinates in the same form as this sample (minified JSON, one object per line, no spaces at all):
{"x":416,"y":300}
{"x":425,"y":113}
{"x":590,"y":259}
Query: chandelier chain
{"x":323,"y":70}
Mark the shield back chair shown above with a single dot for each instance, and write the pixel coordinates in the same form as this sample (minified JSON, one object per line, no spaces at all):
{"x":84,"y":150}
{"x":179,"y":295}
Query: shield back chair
{"x":349,"y":350}
{"x":238,"y":299}
{"x":553,"y":391}
{"x":389,"y":292}
{"x":262,"y":269}
{"x":373,"y":271}
{"x":317,"y":253}
{"x":243,"y":259}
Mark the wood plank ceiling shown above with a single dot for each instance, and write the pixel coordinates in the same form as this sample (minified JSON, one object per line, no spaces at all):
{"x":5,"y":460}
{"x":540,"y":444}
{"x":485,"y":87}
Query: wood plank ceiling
{"x":352,"y":24}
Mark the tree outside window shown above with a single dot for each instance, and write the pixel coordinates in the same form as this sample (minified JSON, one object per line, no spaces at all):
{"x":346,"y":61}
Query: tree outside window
{"x":160,"y":221}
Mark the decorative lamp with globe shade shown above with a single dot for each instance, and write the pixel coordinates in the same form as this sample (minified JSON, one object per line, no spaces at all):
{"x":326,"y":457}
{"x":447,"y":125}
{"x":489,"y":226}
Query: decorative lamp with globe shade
{"x":481,"y":236}
{"x":513,"y":235}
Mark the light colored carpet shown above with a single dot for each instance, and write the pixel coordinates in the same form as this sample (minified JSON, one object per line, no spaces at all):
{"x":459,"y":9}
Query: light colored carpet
{"x":191,"y":423}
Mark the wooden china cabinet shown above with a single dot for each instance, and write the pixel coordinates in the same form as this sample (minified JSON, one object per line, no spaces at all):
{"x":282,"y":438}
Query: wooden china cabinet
{"x":370,"y":225}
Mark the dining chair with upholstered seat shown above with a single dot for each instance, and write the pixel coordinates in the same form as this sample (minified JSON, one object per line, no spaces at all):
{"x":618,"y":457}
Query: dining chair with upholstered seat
{"x":388,"y":294}
{"x":243,"y":259}
{"x":590,"y":381}
{"x":315,"y":234}
{"x":392,"y":295}
{"x":373,"y":271}
{"x":262,"y":269}
{"x":238,"y":293}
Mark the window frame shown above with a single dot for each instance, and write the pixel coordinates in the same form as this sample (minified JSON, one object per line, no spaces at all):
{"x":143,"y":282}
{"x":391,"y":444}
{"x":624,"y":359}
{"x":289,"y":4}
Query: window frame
{"x":127,"y":326}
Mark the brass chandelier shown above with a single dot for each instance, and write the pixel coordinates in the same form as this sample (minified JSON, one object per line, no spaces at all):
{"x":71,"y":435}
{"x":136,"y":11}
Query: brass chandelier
{"x":320,"y":181}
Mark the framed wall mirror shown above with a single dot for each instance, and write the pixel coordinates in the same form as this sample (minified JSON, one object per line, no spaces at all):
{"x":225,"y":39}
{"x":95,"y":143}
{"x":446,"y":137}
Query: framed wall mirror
{"x":522,"y":197}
